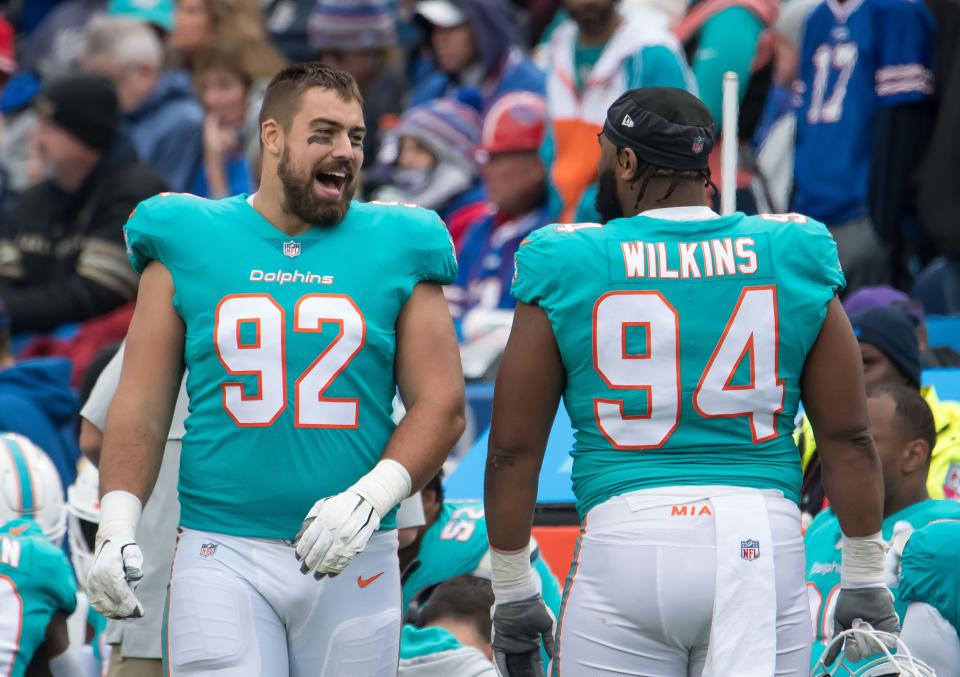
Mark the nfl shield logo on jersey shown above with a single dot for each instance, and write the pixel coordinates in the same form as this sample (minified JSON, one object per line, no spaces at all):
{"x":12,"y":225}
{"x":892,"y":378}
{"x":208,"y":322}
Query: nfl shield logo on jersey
{"x":208,"y":549}
{"x":291,"y":249}
{"x":749,"y":550}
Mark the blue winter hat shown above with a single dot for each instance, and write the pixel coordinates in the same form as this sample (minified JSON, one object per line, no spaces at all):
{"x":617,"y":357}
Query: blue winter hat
{"x":443,"y":125}
{"x":352,"y":25}
{"x":890,"y":330}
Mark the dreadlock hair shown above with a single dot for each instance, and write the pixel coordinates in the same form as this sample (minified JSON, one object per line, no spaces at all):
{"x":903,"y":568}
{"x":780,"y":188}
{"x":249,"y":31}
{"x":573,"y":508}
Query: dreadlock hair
{"x":646,"y":172}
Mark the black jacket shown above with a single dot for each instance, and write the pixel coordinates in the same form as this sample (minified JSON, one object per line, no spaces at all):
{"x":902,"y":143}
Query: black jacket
{"x":62,"y":256}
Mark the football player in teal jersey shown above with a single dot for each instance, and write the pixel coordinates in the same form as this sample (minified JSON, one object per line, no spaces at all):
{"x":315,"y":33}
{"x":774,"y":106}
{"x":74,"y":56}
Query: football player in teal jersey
{"x":904,"y":433}
{"x":930,"y":583}
{"x":454,"y":542}
{"x":37,"y":589}
{"x":298,"y":314}
{"x":682,"y":343}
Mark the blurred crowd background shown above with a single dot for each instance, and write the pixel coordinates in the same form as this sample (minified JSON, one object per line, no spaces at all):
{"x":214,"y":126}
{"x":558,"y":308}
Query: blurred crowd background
{"x":486,"y":111}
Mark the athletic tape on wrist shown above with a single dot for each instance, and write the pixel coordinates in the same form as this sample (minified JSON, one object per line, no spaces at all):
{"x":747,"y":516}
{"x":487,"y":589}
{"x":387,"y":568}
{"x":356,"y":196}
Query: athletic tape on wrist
{"x":384,"y":486}
{"x":119,"y":515}
{"x":862,"y":563}
{"x":512,"y":576}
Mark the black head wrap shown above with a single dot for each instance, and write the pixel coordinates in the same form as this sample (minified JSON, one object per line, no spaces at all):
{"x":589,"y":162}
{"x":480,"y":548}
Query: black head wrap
{"x":664,"y":126}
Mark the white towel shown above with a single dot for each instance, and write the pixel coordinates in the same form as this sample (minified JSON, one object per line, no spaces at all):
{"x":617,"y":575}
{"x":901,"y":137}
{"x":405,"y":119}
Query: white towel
{"x":743,"y":634}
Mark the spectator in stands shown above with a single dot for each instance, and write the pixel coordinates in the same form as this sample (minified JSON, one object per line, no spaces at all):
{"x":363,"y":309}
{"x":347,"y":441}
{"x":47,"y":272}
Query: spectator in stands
{"x":360,"y":37}
{"x":62,"y":256}
{"x":863,"y":66}
{"x":200,"y":24}
{"x":428,"y":159}
{"x":159,"y":110}
{"x":224,"y":76}
{"x":891,"y":355}
{"x":454,"y":633}
{"x":865,"y":298}
{"x":287,"y":24}
{"x":593,"y":58}
{"x":515,"y":179}
{"x":938,"y":200}
{"x":476,"y":47}
{"x":36,"y":401}
{"x":158,"y":14}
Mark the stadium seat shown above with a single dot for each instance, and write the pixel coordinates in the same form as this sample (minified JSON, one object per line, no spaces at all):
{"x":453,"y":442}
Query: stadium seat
{"x":946,"y":381}
{"x":944,"y":330}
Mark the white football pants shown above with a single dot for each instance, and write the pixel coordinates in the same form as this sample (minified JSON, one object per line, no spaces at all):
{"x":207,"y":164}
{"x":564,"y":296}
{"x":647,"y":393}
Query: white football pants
{"x":640,"y":597}
{"x":239,"y":607}
{"x":932,"y":639}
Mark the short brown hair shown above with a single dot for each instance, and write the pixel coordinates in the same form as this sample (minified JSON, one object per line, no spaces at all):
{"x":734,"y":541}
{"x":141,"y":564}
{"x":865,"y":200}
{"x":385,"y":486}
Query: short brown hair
{"x":282,"y":98}
{"x":466,"y":598}
{"x":914,"y":419}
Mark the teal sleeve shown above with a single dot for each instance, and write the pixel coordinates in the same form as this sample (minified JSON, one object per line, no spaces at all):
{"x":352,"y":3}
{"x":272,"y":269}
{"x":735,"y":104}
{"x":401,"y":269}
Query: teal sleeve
{"x":823,"y":260}
{"x":929,"y":572}
{"x":436,"y":258}
{"x":63,"y":586}
{"x":549,"y":587}
{"x":728,"y":42}
{"x":662,"y":67}
{"x":534,"y":267}
{"x":143,"y":231}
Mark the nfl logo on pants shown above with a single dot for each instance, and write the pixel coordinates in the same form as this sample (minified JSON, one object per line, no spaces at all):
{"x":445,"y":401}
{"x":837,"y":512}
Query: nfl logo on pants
{"x":749,"y":550}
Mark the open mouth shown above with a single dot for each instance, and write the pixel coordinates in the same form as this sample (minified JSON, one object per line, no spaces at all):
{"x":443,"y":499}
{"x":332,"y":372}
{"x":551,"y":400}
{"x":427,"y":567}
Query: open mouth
{"x":331,"y":183}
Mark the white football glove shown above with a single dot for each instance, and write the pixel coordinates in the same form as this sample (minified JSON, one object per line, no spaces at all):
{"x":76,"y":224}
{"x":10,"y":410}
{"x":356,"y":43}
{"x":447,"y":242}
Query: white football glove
{"x":337,"y":528}
{"x":335,"y":531}
{"x":118,"y":565}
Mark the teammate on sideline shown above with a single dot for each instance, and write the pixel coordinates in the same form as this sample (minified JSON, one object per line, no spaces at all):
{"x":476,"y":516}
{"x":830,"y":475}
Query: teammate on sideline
{"x":37,"y":590}
{"x":681,"y":342}
{"x":904,"y":433}
{"x":298,"y":314}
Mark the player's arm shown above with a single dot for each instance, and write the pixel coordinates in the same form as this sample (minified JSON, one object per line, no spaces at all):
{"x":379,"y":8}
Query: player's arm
{"x":834,"y":397}
{"x":134,"y":437}
{"x":53,"y":658}
{"x":526,"y":395}
{"x":430,"y":380}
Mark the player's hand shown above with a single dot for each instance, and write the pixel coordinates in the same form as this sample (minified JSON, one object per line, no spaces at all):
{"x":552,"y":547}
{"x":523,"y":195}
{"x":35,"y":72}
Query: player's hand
{"x":335,"y":530}
{"x":116,"y":571}
{"x":868,"y":605}
{"x":518,"y":630}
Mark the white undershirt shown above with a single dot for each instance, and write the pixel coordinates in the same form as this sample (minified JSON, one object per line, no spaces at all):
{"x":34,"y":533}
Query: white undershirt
{"x":694,"y":213}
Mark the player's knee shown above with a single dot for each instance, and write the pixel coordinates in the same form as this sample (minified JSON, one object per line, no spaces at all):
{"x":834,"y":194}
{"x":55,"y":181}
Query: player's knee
{"x":368,"y":646}
{"x":210,"y":622}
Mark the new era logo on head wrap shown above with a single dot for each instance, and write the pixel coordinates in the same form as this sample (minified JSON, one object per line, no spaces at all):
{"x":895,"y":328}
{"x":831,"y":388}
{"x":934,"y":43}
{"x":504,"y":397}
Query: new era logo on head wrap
{"x":627,"y":121}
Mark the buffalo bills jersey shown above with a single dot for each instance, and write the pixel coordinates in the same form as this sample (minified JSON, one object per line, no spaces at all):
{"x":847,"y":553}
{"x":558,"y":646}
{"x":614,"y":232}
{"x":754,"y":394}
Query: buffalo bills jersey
{"x":683,"y":343}
{"x":856,"y":56}
{"x":290,"y":347}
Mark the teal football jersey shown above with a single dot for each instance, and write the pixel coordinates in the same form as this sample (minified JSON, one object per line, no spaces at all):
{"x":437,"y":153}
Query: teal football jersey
{"x":822,"y":543}
{"x":36,"y":581}
{"x":290,"y":346}
{"x":456,"y":544}
{"x":683,"y":344}
{"x":930,"y":569}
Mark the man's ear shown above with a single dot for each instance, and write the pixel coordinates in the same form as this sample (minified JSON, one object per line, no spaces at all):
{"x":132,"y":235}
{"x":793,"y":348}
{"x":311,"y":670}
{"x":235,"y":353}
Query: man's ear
{"x":627,"y":163}
{"x":914,"y":457}
{"x":271,"y":136}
